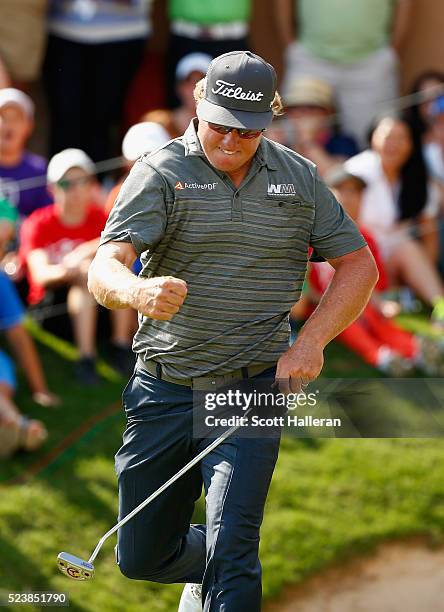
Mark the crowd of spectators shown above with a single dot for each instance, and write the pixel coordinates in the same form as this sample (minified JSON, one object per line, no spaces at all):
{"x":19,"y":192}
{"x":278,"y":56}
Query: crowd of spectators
{"x":384,"y":160}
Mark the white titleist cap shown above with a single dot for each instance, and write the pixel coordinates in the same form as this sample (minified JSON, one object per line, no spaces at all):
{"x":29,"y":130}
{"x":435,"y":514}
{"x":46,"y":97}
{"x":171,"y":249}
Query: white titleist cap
{"x":67,"y":159}
{"x":9,"y":95}
{"x":193,"y":62}
{"x":143,"y":138}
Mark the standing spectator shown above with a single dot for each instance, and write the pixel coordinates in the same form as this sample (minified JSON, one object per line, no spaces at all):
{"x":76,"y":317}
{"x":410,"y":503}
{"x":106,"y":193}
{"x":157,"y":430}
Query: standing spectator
{"x":189,"y":71}
{"x":59,"y":241}
{"x":22,"y":174}
{"x":398,"y":199}
{"x":22,"y":41}
{"x":314,"y":131}
{"x":206,"y":26}
{"x":94,"y":50}
{"x":353,"y":45}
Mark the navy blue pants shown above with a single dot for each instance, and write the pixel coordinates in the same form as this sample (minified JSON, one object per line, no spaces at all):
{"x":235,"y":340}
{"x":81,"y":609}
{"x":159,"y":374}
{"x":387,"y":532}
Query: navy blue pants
{"x":159,"y":544}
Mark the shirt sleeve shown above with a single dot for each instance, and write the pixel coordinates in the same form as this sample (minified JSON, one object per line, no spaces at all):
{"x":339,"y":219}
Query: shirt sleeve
{"x":139,"y":215}
{"x":333,"y":233}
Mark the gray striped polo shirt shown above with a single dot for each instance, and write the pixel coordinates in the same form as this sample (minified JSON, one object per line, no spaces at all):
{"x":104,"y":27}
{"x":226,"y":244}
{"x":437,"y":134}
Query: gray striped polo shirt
{"x":242,"y":251}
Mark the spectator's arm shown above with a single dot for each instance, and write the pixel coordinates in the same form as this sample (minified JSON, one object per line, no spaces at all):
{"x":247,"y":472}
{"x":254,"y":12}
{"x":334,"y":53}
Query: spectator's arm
{"x":82,"y":252}
{"x":285,"y":20}
{"x":45,"y":273}
{"x":401,"y":23}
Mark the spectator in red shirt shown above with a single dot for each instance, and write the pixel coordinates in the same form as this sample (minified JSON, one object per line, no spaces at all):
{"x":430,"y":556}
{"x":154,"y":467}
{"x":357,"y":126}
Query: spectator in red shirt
{"x":374,"y":336}
{"x":58,"y":243}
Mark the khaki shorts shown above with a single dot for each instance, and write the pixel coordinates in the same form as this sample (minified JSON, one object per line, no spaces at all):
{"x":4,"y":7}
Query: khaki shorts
{"x":23,"y":37}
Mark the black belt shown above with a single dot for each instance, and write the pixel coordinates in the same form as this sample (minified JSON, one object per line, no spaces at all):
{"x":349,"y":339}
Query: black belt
{"x":204,"y":383}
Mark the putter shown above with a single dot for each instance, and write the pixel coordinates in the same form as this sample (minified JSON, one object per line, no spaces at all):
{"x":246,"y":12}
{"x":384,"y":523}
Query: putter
{"x":79,"y":569}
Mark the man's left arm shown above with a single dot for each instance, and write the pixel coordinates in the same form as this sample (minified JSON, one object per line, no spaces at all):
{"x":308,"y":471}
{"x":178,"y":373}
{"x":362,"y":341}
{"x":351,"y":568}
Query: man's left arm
{"x":355,"y":276}
{"x":402,"y":17}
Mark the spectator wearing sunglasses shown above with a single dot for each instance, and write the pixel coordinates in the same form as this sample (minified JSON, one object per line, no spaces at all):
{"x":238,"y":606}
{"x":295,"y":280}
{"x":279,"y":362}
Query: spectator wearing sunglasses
{"x":58,"y":243}
{"x":223,"y":219}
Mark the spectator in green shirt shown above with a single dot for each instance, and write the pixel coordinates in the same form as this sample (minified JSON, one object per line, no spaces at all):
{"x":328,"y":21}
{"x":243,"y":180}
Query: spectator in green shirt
{"x":351,"y":44}
{"x":204,"y":26}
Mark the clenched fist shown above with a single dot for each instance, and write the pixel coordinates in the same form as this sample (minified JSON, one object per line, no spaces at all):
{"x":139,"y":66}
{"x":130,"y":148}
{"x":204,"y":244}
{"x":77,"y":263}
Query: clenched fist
{"x":160,"y":298}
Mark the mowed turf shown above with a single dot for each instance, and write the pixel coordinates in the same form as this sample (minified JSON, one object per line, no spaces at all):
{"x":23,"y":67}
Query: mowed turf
{"x":329,"y":498}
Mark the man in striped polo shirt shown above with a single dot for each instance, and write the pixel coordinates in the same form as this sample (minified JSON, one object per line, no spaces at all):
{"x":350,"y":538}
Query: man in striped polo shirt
{"x":222,"y":219}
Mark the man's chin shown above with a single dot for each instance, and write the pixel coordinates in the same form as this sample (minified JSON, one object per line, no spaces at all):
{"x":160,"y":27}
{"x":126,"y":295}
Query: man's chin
{"x":225,"y":164}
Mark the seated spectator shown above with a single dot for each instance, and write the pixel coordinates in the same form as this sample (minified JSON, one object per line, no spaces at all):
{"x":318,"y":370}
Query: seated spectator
{"x":375,"y":338}
{"x":191,"y":69}
{"x":313,"y":127}
{"x":398,"y":201}
{"x":22,"y":174}
{"x":12,"y":315}
{"x":141,"y":138}
{"x":58,"y":243}
{"x":17,"y":432}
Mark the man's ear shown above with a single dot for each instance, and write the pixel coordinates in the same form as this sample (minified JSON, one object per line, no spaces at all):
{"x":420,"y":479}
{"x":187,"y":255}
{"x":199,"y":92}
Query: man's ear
{"x":50,"y":188}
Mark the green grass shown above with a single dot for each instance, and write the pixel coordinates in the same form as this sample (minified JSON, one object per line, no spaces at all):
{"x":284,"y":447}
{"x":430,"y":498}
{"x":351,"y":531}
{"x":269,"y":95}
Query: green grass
{"x":329,"y":498}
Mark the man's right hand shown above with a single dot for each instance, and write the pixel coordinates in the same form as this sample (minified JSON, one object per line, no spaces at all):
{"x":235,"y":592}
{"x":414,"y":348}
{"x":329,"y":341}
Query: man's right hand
{"x":160,"y":298}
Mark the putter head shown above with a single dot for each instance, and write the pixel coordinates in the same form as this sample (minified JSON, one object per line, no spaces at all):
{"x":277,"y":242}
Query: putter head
{"x":75,"y":567}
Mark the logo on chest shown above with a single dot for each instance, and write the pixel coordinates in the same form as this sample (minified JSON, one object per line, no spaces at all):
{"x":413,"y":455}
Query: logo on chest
{"x":204,"y":186}
{"x":282,"y":189}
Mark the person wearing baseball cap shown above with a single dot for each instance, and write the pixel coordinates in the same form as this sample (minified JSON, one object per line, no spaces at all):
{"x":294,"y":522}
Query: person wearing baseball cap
{"x":58,"y":242}
{"x":17,"y":165}
{"x":223,"y":219}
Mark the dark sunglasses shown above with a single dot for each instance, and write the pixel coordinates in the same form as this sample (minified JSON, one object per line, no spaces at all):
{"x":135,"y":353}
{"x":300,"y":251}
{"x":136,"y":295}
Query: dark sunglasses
{"x":66,"y":184}
{"x":247,"y":134}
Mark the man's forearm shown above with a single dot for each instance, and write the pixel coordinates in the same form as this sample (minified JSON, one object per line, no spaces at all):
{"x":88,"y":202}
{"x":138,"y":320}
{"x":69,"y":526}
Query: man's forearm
{"x":344,"y":300}
{"x":112,"y":284}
